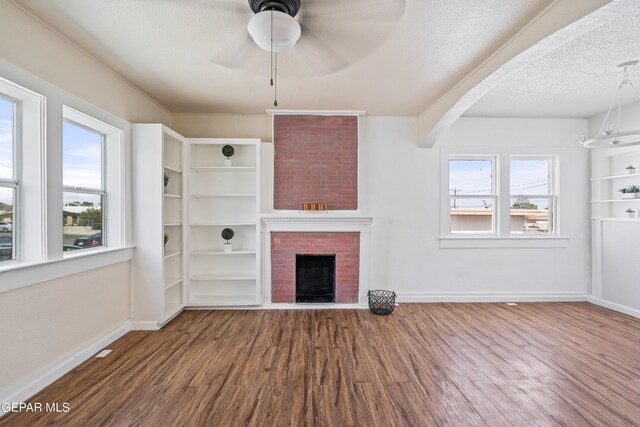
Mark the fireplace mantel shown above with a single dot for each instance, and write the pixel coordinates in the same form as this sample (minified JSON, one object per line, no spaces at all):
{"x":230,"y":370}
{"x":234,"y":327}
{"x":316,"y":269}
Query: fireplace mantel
{"x":318,"y":223}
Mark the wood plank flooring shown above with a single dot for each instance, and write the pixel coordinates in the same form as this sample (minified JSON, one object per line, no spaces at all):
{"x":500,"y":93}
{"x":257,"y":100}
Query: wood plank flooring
{"x":543,"y":364}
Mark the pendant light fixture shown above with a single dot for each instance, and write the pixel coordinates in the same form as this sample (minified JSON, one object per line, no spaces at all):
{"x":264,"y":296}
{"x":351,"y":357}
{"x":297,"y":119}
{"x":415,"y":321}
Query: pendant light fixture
{"x":274,"y":29}
{"x":610,"y":134}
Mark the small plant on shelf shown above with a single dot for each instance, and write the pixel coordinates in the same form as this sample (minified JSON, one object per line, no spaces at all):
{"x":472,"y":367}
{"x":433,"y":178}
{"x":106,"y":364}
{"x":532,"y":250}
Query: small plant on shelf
{"x":166,"y":239}
{"x":228,"y":151}
{"x":630,"y":192}
{"x":227,"y":234}
{"x":631,"y":169}
{"x":167,"y":179}
{"x":630,"y":213}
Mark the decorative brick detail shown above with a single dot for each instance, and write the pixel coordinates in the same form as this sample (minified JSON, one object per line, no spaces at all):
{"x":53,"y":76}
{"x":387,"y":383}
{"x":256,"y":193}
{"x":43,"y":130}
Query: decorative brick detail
{"x":316,"y":160}
{"x":285,"y":246}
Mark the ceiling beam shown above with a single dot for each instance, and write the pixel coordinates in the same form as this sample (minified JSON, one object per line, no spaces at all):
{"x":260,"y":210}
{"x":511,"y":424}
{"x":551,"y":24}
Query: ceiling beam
{"x":435,"y":120}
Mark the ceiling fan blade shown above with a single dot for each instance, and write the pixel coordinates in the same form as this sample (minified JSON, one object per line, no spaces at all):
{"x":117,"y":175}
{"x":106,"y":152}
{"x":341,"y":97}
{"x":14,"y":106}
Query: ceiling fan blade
{"x":352,"y":10}
{"x":234,"y":7}
{"x":329,"y":47}
{"x":319,"y":55}
{"x":238,"y":53}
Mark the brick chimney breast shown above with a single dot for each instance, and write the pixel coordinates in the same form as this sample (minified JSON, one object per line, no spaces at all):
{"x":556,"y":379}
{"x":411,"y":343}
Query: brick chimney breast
{"x":316,"y":160}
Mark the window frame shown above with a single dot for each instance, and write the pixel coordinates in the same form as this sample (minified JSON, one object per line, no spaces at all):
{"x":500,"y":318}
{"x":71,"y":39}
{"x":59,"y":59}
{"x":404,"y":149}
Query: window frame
{"x":114,"y":224}
{"x":494,"y":195}
{"x":502,"y":238}
{"x":15,"y":181}
{"x":102,"y":192}
{"x":39,"y":226}
{"x":552,"y":195}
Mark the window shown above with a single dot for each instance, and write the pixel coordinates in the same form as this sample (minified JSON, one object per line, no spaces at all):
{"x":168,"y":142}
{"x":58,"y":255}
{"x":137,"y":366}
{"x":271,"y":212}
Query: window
{"x":532,"y":193}
{"x":499,"y":195}
{"x":83,"y":185}
{"x":472,"y":196}
{"x":9,"y":177}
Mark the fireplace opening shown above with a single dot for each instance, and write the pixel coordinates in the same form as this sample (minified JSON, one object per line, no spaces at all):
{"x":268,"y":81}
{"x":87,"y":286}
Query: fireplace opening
{"x":315,"y":278}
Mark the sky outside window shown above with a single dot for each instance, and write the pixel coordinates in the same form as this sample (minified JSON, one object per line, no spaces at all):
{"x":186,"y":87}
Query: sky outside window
{"x":530,"y":177}
{"x":82,"y":158}
{"x":6,"y":139}
{"x":470,"y":177}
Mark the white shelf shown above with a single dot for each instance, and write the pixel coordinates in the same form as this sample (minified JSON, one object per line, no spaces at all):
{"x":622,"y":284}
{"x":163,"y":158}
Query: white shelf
{"x":212,"y":301}
{"x":168,"y":255}
{"x":613,"y":219}
{"x":159,"y":275}
{"x":628,"y":175}
{"x":223,"y":168}
{"x":615,"y":201}
{"x":212,"y":252}
{"x":223,"y":224}
{"x":170,"y":169}
{"x":223,"y":196}
{"x":222,"y":277}
{"x":171,"y":282}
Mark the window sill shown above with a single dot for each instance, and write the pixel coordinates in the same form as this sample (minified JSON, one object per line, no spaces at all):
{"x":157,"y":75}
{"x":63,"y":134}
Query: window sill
{"x":473,"y":242}
{"x":18,"y":274}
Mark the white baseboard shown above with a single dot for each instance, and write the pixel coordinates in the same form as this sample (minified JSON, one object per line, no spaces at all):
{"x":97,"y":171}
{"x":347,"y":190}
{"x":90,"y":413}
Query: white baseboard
{"x":491,"y":297}
{"x":144,"y":326}
{"x":416,"y":297}
{"x":614,"y":306}
{"x":277,"y":306}
{"x":23,"y":392}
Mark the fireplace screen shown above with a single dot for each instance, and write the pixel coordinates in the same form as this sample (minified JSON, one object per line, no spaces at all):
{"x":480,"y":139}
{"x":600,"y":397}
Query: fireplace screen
{"x":315,"y":278}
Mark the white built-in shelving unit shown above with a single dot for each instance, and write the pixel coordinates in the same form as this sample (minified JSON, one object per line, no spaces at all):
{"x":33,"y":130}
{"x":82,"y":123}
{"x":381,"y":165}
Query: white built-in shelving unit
{"x":159,"y":270}
{"x":224,"y":197}
{"x":608,"y":176}
{"x":614,"y":234}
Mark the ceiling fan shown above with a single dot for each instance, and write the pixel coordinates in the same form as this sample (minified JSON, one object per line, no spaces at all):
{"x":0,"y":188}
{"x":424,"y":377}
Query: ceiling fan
{"x":328,"y":35}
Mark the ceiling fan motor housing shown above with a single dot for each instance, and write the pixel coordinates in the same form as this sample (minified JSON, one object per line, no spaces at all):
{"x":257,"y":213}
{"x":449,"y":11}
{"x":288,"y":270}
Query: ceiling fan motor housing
{"x":290,"y":7}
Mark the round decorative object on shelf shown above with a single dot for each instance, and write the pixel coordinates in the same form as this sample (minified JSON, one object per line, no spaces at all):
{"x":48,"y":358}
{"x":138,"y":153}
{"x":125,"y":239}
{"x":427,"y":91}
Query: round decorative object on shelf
{"x":228,"y":151}
{"x":227,"y":234}
{"x":381,"y":301}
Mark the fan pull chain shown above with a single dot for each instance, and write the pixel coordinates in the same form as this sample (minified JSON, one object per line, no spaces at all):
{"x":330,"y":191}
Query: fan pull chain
{"x":275,"y":87}
{"x":271,"y":53}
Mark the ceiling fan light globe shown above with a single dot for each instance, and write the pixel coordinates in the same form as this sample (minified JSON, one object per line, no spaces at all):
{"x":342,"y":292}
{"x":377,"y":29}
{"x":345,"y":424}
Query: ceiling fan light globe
{"x":286,"y":30}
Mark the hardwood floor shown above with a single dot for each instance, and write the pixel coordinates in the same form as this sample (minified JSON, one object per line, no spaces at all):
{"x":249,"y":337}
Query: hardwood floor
{"x":542,"y":364}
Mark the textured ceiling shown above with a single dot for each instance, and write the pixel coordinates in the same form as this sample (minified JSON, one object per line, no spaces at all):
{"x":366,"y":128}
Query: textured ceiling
{"x":389,"y":57}
{"x":577,"y":79}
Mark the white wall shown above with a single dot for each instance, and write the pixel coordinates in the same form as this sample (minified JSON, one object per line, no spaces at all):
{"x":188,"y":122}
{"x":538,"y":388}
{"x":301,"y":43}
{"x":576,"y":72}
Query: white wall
{"x":206,"y":125}
{"x":55,"y":318}
{"x":615,"y":263}
{"x":45,"y":324}
{"x":403,"y":195}
{"x":30,"y":44}
{"x":400,"y":188}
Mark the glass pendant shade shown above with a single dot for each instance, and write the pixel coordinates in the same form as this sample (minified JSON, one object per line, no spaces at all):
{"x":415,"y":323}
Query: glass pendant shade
{"x":286,"y":30}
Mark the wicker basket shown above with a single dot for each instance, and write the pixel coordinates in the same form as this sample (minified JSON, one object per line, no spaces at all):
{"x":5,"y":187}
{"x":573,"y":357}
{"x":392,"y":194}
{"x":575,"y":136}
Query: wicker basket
{"x":381,"y":301}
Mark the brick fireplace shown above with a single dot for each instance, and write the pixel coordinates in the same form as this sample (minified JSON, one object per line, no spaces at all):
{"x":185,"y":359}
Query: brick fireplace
{"x":284,"y":237}
{"x":284,"y":248}
{"x":315,"y":161}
